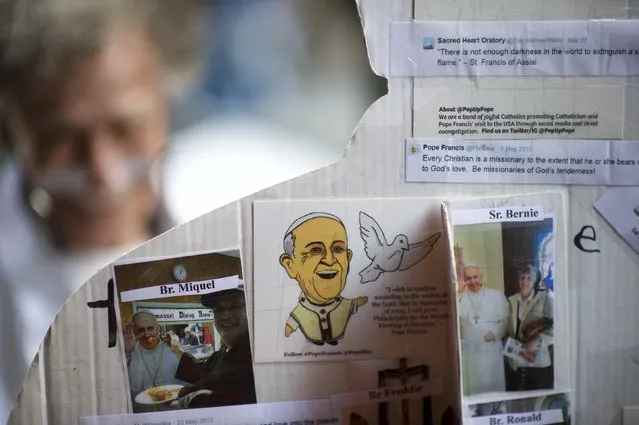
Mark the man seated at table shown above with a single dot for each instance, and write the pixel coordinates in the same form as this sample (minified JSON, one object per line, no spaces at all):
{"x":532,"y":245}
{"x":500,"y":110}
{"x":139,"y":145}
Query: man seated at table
{"x":226,"y":378}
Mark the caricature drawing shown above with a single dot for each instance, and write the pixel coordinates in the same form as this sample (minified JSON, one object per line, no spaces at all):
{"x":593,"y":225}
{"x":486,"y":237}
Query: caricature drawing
{"x":385,"y":258}
{"x":316,"y":255}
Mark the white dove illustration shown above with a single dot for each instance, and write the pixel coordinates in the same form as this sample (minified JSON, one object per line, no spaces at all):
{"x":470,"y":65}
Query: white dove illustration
{"x":385,"y":257}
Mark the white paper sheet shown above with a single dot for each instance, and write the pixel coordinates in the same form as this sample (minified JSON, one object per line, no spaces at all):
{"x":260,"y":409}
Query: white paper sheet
{"x":185,"y":288}
{"x":515,"y":48}
{"x":620,"y":207}
{"x":389,"y":265}
{"x":501,"y":214}
{"x":542,"y":161}
{"x":520,"y":108}
{"x":317,"y":412}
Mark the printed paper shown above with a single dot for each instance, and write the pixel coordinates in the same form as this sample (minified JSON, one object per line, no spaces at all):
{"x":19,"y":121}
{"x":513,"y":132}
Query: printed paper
{"x":171,"y":348}
{"x":317,"y":412}
{"x":548,"y":417}
{"x":499,"y":214}
{"x":511,"y":300}
{"x":174,"y":289}
{"x":620,"y":207}
{"x":348,"y":280}
{"x":398,"y":391}
{"x":520,"y":108}
{"x":379,"y":395}
{"x":541,"y":161}
{"x":518,"y":351}
{"x":546,"y":410}
{"x":506,"y":295}
{"x":514,"y":48}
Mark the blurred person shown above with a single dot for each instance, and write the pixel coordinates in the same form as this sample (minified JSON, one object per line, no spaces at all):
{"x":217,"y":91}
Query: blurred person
{"x":190,"y":338}
{"x":301,"y":64}
{"x":289,"y":83}
{"x":531,"y":323}
{"x":226,"y":378}
{"x":85,"y":94}
{"x":483,"y":314}
{"x":150,"y":363}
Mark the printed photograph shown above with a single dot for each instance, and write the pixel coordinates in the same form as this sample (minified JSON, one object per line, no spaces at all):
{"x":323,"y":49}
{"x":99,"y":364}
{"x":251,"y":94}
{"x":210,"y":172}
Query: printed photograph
{"x":506,"y":305}
{"x":552,"y":409}
{"x":185,"y":334}
{"x":337,"y":280}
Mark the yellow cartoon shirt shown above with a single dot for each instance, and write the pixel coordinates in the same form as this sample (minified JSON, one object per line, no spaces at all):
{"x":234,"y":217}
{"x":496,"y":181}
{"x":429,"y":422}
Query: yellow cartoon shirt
{"x":322,"y":323}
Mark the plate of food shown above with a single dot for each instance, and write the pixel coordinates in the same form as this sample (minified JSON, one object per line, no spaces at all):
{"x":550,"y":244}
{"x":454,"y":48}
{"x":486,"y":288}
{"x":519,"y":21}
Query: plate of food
{"x":159,"y":395}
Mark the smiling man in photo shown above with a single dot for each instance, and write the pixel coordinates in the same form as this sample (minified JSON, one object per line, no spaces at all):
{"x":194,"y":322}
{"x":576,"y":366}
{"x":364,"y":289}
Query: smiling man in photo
{"x":226,"y":378}
{"x":316,"y":255}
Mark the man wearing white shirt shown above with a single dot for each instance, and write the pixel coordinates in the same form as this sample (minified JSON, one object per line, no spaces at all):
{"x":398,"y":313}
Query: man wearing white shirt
{"x":483,"y":316}
{"x":150,"y":363}
{"x":85,"y":93}
{"x":531,"y":323}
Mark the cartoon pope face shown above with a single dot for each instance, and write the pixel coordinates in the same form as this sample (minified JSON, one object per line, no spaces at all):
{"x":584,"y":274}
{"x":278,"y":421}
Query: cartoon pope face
{"x":316,"y":255}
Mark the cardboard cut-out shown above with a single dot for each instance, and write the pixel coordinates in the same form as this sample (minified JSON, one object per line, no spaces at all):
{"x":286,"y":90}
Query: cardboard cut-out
{"x":64,"y":382}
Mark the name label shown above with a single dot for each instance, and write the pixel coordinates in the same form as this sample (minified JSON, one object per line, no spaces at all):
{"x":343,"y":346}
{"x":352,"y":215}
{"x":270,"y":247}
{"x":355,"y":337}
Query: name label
{"x":544,"y":417}
{"x":179,"y":289}
{"x":502,"y":214}
{"x":381,"y":395}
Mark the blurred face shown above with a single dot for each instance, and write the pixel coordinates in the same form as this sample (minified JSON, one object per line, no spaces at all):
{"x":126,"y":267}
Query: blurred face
{"x":90,"y":137}
{"x":146,"y":331}
{"x":472,"y":279}
{"x":229,"y":315}
{"x":321,"y":259}
{"x":526,"y":285}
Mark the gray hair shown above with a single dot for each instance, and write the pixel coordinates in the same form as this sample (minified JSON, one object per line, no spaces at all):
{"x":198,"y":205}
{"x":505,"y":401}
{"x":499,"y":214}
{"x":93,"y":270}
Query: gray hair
{"x":289,"y":238}
{"x":471,"y":266}
{"x":40,"y":39}
{"x":144,"y":313}
{"x":528,"y":269}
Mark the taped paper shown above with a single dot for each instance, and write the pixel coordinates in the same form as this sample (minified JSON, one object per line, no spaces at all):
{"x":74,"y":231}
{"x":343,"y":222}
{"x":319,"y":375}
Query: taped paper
{"x":620,"y":207}
{"x":498,"y":215}
{"x":515,"y":48}
{"x":175,"y":351}
{"x":380,"y":395}
{"x":177,"y":289}
{"x":542,"y":161}
{"x":349,"y":279}
{"x":317,"y":412}
{"x":546,"y":417}
{"x":542,"y":409}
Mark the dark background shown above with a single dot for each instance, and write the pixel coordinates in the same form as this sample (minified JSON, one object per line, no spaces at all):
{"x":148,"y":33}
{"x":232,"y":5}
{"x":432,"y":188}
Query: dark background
{"x":520,"y":244}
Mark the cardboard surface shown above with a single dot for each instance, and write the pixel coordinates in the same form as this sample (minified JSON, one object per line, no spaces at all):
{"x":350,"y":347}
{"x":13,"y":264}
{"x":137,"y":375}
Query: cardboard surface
{"x":77,"y":375}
